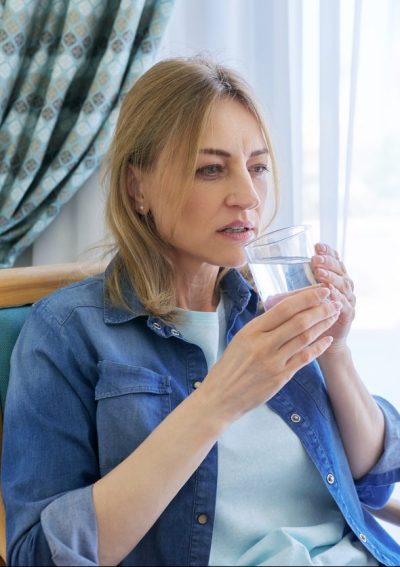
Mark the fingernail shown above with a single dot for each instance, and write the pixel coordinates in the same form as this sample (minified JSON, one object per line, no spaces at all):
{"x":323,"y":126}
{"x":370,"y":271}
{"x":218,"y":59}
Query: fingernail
{"x":322,"y":292}
{"x":321,"y":272}
{"x":320,"y":259}
{"x":333,"y":291}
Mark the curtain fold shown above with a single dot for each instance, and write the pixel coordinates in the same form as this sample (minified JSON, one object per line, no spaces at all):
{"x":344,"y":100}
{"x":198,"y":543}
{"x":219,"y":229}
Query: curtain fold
{"x":349,"y":146}
{"x":338,"y":73}
{"x":329,"y":150}
{"x":64,"y":68}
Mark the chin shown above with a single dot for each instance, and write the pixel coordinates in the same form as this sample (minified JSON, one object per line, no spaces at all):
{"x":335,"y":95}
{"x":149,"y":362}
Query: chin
{"x":236,"y":261}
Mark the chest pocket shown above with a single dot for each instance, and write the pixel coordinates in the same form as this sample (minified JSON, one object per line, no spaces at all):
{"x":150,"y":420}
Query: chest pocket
{"x":131,"y":402}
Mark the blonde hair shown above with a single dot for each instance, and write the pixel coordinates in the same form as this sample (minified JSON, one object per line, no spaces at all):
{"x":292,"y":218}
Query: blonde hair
{"x":161,"y":121}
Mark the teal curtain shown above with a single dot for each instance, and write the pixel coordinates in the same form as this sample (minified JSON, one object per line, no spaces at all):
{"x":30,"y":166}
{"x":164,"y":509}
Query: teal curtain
{"x":64,"y":68}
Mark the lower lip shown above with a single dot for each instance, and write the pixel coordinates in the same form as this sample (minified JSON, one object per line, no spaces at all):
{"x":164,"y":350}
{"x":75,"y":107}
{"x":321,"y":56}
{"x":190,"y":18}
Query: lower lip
{"x":240,"y":236}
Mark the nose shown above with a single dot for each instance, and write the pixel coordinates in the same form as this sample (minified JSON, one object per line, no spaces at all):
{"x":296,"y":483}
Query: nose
{"x":242,"y":192}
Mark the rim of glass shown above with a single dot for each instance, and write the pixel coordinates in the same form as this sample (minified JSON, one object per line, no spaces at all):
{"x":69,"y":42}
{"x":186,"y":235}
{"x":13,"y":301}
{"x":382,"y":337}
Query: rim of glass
{"x":299,"y":227}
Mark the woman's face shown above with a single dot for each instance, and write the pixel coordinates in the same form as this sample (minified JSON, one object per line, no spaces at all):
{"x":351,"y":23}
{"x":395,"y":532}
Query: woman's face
{"x":222,"y":211}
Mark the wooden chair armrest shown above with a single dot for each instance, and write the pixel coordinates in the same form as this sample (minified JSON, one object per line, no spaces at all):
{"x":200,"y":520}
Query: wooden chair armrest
{"x":41,"y":280}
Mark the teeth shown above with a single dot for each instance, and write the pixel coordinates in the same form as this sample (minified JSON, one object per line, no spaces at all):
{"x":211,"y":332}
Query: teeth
{"x":235,"y":229}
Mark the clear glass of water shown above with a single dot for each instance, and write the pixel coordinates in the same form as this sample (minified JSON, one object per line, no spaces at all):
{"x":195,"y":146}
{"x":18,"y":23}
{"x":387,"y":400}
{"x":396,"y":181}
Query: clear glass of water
{"x":280,"y":261}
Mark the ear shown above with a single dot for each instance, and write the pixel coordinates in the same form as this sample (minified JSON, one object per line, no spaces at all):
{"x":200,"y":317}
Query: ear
{"x":134,"y":186}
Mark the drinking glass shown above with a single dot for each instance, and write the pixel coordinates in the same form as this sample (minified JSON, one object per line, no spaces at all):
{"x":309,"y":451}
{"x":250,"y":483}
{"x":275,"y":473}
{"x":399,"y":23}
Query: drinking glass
{"x":280,"y":261}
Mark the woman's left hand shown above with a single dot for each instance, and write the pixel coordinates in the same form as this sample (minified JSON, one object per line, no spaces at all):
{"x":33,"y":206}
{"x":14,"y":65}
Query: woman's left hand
{"x":330,"y":270}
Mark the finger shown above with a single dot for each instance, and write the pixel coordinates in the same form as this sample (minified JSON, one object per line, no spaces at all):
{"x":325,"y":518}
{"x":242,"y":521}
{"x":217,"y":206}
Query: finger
{"x":337,"y":295}
{"x":279,"y":314}
{"x":341,"y":282}
{"x":307,"y":355}
{"x":310,"y":335}
{"x":306,"y":326}
{"x":343,"y":267}
{"x":322,"y":248}
{"x":302,"y":328}
{"x":328,"y":262}
{"x":278,"y":297}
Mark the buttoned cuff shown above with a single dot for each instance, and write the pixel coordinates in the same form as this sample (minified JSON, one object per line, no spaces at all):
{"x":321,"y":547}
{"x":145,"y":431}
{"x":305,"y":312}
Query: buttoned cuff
{"x":70,"y":527}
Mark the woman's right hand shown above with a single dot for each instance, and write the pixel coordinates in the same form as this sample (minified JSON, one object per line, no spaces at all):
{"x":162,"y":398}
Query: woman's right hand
{"x":266,"y":353}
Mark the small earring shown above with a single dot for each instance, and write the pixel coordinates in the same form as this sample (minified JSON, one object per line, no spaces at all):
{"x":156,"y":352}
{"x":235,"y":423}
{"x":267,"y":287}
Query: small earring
{"x":141,"y":208}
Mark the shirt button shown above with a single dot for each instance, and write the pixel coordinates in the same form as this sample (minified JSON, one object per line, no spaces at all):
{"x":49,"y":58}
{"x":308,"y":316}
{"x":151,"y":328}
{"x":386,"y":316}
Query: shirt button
{"x":196,"y":384}
{"x":202,"y":519}
{"x":295,"y":417}
{"x":363,"y":538}
{"x":175,"y":333}
{"x":330,"y":478}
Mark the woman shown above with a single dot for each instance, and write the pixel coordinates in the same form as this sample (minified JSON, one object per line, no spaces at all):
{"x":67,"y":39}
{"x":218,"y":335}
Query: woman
{"x":157,"y":416}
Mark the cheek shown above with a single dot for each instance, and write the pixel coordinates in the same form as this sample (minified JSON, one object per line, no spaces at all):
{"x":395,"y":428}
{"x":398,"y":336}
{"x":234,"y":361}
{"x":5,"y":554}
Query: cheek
{"x":173,"y":228}
{"x":263,"y":190}
{"x":191,"y":226}
{"x":165,"y":226}
{"x":267,"y":205}
{"x":196,"y":211}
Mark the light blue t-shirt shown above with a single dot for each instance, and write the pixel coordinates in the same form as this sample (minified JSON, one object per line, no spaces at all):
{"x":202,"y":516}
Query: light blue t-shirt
{"x":272,"y":507}
{"x":206,"y":329}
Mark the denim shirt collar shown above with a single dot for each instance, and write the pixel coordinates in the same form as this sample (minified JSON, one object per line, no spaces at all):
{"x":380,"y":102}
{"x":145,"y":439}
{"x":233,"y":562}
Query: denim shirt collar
{"x":233,"y":284}
{"x":115,"y":314}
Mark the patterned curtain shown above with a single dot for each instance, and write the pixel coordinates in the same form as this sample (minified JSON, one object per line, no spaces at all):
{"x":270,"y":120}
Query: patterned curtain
{"x":64,"y":68}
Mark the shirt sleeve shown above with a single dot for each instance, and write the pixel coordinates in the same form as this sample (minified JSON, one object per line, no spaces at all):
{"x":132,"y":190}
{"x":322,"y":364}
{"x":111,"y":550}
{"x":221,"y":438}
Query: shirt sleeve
{"x":50,"y":459}
{"x":375,"y":488}
{"x":79,"y":545}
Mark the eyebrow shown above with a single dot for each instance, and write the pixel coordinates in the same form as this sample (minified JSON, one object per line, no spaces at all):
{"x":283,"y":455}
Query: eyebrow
{"x":218,"y":152}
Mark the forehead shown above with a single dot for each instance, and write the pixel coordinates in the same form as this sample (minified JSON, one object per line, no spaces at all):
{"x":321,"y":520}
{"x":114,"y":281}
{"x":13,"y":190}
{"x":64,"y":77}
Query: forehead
{"x":231,"y":126}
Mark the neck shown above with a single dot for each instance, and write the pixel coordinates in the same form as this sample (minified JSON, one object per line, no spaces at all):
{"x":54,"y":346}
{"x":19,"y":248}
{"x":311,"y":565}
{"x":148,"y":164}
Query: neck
{"x":196,"y":291}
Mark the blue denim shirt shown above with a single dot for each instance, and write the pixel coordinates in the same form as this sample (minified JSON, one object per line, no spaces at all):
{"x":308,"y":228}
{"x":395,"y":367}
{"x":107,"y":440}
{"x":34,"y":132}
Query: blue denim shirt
{"x":90,"y":381}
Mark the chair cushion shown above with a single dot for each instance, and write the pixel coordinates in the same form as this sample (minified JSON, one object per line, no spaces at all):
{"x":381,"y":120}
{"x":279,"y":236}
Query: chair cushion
{"x":11,"y":321}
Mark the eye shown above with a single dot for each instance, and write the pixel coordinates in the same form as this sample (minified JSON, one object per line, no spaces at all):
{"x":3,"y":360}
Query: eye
{"x":210,"y":171}
{"x":259,"y":169}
